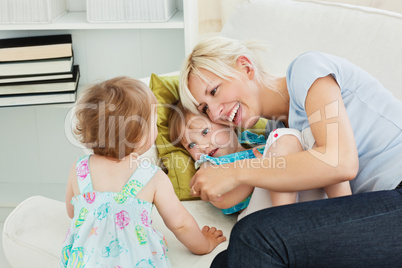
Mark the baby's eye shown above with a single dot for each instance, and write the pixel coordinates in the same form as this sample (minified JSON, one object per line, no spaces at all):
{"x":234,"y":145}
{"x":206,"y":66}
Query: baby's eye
{"x":191,"y":145}
{"x":213,"y":91}
{"x":205,"y":131}
{"x":204,"y":109}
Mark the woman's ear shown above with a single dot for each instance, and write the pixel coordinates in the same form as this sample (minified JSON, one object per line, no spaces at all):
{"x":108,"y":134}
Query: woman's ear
{"x":246,"y":67}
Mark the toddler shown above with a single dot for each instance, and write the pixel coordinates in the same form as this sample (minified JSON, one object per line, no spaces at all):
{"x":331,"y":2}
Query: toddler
{"x":112,"y":192}
{"x":218,"y":144}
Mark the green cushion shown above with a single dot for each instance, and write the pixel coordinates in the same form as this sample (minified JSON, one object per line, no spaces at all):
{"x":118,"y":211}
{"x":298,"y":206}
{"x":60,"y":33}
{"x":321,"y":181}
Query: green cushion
{"x":176,"y":159}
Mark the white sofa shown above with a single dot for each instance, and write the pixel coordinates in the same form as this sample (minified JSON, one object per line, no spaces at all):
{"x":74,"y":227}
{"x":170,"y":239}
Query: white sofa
{"x":371,"y":38}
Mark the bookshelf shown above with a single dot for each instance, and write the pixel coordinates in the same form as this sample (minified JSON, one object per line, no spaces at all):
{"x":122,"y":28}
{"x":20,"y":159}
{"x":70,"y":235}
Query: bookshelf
{"x":36,"y":149}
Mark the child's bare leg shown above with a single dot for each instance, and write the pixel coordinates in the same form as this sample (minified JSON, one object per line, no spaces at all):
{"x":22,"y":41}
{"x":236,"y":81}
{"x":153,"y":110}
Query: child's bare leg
{"x":283,"y":145}
{"x":339,"y":189}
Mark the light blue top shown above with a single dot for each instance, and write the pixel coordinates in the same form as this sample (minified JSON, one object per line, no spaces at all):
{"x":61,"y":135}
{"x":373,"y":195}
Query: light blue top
{"x":375,"y":115}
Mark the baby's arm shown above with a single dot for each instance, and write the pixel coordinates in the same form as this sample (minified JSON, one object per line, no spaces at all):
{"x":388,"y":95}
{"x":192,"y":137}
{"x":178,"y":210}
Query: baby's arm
{"x":234,"y":197}
{"x":70,"y":192}
{"x":339,"y":189}
{"x":180,"y":221}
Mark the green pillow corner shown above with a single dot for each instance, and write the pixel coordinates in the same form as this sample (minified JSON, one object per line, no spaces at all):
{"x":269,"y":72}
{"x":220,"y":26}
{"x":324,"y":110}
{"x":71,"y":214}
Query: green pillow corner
{"x":177,"y":160}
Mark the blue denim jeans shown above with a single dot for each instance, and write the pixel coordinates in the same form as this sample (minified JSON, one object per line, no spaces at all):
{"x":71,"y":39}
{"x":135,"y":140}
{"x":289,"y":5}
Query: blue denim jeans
{"x":362,"y":230}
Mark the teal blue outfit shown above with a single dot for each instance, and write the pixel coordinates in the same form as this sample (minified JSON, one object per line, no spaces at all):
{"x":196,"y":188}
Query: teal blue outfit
{"x":245,"y":137}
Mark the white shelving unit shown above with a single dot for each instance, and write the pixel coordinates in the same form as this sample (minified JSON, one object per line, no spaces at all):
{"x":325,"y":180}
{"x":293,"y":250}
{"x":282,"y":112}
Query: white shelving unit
{"x":77,"y":20}
{"x":35,"y":152}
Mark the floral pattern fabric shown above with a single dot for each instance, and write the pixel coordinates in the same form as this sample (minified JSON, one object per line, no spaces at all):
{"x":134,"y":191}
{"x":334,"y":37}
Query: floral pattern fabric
{"x":113,"y":229}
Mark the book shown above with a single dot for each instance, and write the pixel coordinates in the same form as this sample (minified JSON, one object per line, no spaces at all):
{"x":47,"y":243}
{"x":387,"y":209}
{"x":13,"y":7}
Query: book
{"x":55,"y":85}
{"x":35,"y":48}
{"x":34,"y":67}
{"x":68,"y":95}
{"x":35,"y":99}
{"x":31,"y":78}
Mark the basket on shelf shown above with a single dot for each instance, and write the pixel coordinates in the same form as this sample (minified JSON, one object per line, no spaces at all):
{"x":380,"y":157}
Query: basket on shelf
{"x":31,"y":11}
{"x":130,"y":10}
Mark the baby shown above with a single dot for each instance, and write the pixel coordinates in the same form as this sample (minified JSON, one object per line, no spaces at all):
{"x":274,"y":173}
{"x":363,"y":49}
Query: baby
{"x":110,"y":193}
{"x":207,"y":141}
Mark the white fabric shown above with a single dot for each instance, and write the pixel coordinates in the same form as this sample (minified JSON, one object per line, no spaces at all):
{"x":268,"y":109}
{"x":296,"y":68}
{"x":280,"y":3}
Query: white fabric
{"x":215,"y":20}
{"x":33,"y":233}
{"x":305,"y":137}
{"x":365,"y":36}
{"x":390,"y":5}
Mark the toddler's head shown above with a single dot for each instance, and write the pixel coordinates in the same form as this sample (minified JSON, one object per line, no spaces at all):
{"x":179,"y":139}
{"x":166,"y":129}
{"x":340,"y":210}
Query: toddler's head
{"x":199,"y":135}
{"x":117,"y":117}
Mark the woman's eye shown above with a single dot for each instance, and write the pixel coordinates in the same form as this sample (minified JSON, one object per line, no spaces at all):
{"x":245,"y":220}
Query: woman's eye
{"x":204,"y":109}
{"x":213,"y":91}
{"x":205,"y":131}
{"x":191,"y":145}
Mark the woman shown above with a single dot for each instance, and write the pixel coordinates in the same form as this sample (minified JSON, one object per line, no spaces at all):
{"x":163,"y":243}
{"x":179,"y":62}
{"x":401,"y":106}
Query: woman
{"x":357,"y":127}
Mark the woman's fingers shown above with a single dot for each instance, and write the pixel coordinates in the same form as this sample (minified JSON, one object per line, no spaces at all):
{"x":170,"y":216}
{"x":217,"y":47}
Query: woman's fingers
{"x":211,"y":182}
{"x":257,"y":153}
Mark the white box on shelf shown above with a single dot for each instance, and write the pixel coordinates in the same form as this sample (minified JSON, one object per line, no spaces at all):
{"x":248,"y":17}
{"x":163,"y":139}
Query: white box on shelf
{"x":31,"y":11}
{"x":130,"y":10}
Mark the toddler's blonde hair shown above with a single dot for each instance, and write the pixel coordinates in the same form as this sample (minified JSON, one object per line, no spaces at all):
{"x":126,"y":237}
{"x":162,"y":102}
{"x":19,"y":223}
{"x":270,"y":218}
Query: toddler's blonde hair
{"x":114,"y":116}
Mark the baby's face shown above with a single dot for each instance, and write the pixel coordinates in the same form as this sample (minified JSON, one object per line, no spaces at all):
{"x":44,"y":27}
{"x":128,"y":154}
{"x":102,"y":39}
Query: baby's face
{"x":201,"y":136}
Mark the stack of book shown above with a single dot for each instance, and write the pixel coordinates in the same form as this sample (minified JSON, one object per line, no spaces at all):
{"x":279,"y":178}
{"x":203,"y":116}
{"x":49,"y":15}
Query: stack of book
{"x":37,"y":70}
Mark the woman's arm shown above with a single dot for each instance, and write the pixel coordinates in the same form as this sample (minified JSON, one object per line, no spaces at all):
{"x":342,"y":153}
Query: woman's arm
{"x":180,"y":221}
{"x":333,"y":160}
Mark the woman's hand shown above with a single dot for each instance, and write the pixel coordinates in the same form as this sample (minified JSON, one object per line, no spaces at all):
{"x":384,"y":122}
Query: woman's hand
{"x":210,"y":182}
{"x":256,"y":153}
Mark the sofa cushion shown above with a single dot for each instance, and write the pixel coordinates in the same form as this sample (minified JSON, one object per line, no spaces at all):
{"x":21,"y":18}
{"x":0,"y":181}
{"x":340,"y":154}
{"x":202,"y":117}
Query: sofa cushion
{"x":34,"y":232}
{"x":366,"y":36}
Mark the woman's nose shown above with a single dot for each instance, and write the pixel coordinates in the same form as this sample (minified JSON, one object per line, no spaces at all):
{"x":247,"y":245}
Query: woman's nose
{"x":215,"y":111}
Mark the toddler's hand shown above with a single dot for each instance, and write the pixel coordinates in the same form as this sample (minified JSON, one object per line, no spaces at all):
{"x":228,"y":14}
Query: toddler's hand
{"x":214,"y":237}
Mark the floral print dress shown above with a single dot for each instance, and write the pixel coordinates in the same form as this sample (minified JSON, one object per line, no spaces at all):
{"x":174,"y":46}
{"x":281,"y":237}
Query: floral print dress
{"x":113,"y":229}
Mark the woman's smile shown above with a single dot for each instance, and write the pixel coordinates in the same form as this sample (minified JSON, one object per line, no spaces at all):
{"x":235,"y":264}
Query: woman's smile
{"x":233,"y":112}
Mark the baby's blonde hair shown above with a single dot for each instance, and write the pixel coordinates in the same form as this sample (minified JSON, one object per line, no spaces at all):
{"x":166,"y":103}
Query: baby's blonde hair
{"x":219,"y":55}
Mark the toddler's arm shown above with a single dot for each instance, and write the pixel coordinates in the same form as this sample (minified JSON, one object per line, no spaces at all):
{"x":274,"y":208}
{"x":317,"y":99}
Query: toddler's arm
{"x":70,"y":192}
{"x":180,"y":221}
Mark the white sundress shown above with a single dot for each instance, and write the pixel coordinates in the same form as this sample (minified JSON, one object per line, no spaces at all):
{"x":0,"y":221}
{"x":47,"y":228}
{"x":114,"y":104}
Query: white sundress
{"x":113,"y":229}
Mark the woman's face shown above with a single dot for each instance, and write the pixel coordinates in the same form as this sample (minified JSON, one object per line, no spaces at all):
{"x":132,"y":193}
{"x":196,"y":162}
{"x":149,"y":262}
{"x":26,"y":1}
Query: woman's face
{"x":201,"y":136}
{"x":229,"y":102}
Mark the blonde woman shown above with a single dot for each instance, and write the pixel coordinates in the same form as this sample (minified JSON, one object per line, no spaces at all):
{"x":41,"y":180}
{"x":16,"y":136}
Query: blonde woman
{"x":357,"y":128}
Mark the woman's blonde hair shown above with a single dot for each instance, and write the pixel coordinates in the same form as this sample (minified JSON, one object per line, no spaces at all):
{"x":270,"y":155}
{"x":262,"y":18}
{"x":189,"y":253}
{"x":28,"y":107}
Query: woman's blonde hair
{"x":114,"y":116}
{"x":219,"y":55}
